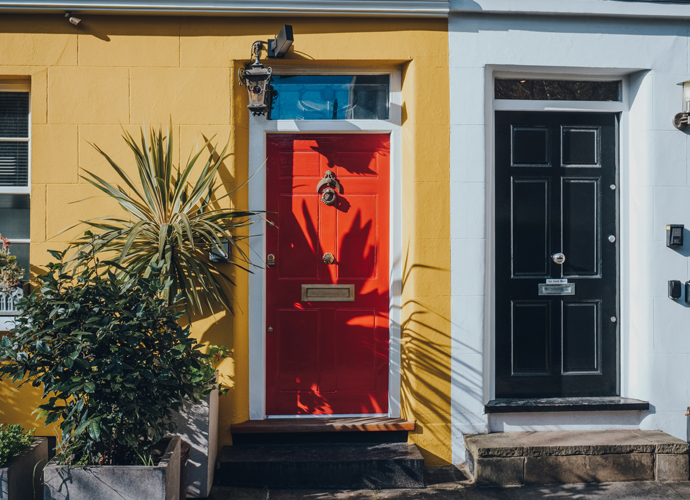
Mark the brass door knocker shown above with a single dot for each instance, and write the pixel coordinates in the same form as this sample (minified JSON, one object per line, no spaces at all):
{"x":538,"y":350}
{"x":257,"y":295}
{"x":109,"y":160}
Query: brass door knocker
{"x":329,"y":195}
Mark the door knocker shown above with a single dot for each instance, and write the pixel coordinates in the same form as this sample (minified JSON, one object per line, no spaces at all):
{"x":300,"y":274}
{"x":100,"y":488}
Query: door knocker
{"x":329,"y":195}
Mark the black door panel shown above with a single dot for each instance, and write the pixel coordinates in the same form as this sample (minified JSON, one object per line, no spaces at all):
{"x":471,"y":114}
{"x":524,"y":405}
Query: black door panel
{"x":554,"y":173}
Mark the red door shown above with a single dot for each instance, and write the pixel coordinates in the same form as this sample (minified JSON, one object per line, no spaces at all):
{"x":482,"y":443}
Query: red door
{"x":327,"y":323}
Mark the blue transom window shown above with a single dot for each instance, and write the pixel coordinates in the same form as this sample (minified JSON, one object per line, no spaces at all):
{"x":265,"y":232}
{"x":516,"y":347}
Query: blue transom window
{"x":330,"y":97}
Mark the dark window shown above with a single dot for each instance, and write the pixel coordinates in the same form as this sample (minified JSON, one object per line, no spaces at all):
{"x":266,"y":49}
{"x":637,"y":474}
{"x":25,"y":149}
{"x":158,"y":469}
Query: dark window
{"x":330,"y":97}
{"x":557,"y":90}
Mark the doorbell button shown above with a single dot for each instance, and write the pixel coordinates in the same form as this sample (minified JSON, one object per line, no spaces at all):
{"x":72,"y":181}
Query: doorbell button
{"x":613,"y":187}
{"x":612,"y":238}
{"x":613,"y":319}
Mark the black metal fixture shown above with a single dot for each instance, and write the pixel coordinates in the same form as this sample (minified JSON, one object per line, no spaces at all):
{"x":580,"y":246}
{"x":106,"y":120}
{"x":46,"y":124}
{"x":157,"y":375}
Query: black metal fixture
{"x":72,"y":19}
{"x":221,"y":253}
{"x":279,"y":46}
{"x":682,"y":119}
{"x":257,"y":79}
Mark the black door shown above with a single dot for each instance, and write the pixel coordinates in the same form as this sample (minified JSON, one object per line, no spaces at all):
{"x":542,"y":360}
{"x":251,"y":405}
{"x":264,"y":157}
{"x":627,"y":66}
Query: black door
{"x":556,"y":254}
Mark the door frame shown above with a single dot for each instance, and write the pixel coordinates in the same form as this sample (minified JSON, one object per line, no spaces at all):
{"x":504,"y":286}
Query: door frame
{"x":494,"y":105}
{"x":259,"y":128}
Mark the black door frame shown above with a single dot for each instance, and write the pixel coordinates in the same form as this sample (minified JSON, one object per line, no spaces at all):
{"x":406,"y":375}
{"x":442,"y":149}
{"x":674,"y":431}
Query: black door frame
{"x":617,"y":108}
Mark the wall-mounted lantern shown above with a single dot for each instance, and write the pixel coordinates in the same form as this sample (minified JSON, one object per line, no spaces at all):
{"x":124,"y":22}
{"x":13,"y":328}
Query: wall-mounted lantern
{"x":681,"y":120}
{"x":256,"y":77}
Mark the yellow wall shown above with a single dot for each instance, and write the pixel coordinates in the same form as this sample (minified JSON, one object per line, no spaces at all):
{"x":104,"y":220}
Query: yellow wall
{"x":87,"y":81}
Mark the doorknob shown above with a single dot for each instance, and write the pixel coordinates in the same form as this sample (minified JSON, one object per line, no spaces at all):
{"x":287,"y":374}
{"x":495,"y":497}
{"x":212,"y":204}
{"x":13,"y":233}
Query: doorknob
{"x":328,"y":258}
{"x":558,"y":258}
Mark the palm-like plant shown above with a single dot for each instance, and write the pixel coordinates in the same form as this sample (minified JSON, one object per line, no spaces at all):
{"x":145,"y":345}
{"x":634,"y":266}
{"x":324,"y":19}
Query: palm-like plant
{"x":171,"y":222}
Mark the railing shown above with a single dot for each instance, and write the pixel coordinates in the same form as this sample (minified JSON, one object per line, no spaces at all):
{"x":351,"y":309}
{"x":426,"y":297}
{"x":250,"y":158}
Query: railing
{"x":8,"y":301}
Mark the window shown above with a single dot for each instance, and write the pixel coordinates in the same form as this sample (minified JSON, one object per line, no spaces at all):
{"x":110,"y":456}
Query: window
{"x":557,"y":90}
{"x":330,"y":97}
{"x":14,"y":168}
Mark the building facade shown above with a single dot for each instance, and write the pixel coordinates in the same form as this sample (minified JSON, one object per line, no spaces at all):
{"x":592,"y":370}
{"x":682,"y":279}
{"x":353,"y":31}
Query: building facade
{"x":128,"y":67}
{"x":563,"y":146}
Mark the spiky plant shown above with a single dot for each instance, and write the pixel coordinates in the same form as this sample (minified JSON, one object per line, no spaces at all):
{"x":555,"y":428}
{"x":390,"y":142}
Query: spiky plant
{"x":171,"y":222}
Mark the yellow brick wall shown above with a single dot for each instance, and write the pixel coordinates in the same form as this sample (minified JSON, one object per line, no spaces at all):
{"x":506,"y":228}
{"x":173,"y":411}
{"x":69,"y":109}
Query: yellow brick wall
{"x":112,"y":72}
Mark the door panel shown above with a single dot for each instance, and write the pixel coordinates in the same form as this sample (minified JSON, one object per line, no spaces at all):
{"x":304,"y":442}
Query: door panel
{"x":530,"y":224}
{"x":553,"y":195}
{"x":327,"y":357}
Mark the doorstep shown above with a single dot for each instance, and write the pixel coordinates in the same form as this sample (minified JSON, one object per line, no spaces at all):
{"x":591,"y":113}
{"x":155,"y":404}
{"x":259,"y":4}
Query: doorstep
{"x":533,"y":405}
{"x":322,"y":430}
{"x":547,"y":457}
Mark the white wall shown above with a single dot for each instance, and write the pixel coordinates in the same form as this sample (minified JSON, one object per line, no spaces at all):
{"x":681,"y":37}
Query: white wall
{"x":652,"y":56}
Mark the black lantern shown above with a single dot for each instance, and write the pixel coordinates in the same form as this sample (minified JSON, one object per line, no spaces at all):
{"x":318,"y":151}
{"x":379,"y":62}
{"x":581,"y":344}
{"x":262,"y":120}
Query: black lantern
{"x":257,"y":79}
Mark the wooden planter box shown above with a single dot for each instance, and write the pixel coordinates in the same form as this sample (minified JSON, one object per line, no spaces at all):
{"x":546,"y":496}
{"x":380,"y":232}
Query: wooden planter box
{"x":198,"y":425}
{"x":117,"y":482}
{"x":22,"y":478}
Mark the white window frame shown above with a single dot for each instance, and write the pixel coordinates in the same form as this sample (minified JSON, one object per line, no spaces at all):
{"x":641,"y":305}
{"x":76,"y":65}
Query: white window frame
{"x":259,"y":128}
{"x":7,"y":322}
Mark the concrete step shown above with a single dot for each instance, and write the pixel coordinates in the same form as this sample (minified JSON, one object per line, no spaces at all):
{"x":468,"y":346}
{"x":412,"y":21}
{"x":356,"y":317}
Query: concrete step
{"x":309,"y":466}
{"x":547,"y":457}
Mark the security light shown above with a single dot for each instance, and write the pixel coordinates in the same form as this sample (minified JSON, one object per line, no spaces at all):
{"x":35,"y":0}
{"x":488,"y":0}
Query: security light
{"x":279,"y":46}
{"x":681,"y":120}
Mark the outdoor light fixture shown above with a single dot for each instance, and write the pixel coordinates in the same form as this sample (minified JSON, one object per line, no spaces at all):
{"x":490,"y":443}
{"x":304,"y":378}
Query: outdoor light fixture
{"x":279,"y":46}
{"x":257,"y":79}
{"x":681,"y":120}
{"x":72,"y":19}
{"x":221,"y":253}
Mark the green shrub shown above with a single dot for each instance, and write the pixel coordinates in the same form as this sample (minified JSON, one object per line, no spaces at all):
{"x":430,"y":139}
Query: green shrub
{"x":13,"y":440}
{"x":111,"y":357}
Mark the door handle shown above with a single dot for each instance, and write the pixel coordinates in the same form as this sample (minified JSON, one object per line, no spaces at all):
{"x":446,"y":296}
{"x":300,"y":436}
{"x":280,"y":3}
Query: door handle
{"x":558,"y":258}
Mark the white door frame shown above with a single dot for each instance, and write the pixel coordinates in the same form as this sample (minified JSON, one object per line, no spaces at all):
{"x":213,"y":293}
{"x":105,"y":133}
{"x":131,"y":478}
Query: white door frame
{"x":493,"y":105}
{"x":259,"y":128}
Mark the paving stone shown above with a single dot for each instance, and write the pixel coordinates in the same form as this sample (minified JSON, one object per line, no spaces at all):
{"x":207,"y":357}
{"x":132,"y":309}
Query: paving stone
{"x":448,"y":477}
{"x":507,"y":471}
{"x":682,"y":489}
{"x":589,"y":468}
{"x":672,"y":468}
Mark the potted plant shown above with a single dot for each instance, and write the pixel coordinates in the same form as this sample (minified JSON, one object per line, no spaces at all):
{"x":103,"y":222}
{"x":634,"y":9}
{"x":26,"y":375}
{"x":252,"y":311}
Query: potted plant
{"x":174,"y":220}
{"x":22,"y":458}
{"x":11,"y":274}
{"x":114,"y":363}
{"x":197,"y":424}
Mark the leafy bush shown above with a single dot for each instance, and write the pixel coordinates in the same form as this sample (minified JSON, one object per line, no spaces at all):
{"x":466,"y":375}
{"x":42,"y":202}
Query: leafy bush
{"x":13,"y":440}
{"x":111,"y":356}
{"x":171,"y":220}
{"x":11,"y":272}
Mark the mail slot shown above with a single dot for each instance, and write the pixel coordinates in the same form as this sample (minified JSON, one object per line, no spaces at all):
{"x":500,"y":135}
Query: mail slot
{"x":328,"y":293}
{"x":557,"y":289}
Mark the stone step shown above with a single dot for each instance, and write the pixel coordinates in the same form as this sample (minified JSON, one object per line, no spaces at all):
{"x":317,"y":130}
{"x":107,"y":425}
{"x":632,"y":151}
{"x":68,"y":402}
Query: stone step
{"x":305,"y":466}
{"x":546,"y":457}
{"x":322,"y":430}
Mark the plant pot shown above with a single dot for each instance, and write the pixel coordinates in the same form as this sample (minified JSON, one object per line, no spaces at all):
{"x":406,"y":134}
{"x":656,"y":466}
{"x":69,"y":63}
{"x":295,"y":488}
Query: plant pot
{"x":198,"y":425}
{"x":117,"y":482}
{"x":7,"y":307}
{"x":23,"y":476}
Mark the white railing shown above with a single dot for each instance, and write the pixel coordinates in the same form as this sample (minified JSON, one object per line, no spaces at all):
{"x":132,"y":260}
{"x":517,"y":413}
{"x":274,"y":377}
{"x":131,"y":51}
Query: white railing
{"x":8,"y":301}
